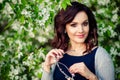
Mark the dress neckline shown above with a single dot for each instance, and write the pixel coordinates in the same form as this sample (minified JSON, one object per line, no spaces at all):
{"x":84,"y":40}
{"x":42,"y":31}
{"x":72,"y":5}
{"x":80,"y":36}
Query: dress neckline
{"x":81,"y":55}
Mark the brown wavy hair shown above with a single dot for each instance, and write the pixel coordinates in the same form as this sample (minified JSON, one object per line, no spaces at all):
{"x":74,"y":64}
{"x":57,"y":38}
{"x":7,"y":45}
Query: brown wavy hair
{"x":61,"y":39}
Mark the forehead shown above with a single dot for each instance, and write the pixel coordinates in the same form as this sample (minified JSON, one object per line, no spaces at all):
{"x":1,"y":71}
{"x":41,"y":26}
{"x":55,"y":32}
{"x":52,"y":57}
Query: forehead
{"x":80,"y":17}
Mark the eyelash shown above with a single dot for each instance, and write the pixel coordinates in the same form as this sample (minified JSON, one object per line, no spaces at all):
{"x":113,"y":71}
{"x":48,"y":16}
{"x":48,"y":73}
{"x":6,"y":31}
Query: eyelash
{"x":83,"y":24}
{"x":73,"y":25}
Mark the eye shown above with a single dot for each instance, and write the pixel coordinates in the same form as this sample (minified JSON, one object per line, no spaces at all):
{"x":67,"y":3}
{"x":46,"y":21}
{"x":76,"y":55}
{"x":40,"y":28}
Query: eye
{"x":73,"y":24}
{"x":85,"y":23}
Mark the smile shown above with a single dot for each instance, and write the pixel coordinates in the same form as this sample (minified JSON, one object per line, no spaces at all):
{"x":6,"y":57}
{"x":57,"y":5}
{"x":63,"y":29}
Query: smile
{"x":80,"y":36}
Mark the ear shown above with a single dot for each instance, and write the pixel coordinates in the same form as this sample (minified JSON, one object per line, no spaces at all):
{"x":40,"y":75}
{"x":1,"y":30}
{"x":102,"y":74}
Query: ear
{"x":65,"y":32}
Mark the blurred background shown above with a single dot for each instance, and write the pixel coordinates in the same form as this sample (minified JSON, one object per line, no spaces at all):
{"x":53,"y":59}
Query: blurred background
{"x":26,"y":28}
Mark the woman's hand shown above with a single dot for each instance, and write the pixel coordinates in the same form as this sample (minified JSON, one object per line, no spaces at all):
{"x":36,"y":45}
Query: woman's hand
{"x":52,"y":56}
{"x":82,"y":69}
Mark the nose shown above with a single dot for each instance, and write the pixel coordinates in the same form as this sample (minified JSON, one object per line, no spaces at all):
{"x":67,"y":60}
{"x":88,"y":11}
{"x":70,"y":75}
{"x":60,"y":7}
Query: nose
{"x":80,"y":29}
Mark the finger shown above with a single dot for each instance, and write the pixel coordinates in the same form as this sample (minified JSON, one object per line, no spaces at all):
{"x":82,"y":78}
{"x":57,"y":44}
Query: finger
{"x":52,"y":55}
{"x":73,"y":71}
{"x":59,"y":53}
{"x":74,"y":68}
{"x":62,"y":51}
{"x":53,"y":52}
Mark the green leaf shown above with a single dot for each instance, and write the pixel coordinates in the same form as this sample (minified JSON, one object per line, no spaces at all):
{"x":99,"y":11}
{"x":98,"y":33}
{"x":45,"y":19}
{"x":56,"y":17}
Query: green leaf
{"x":9,"y":24}
{"x":68,"y":2}
{"x":108,"y":33}
{"x":24,"y":2}
{"x":22,"y":19}
{"x":63,"y":5}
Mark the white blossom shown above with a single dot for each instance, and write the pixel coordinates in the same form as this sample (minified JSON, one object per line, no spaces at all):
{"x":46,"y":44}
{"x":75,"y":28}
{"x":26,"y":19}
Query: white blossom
{"x":113,"y":51}
{"x":114,"y":18}
{"x":40,"y":22}
{"x":13,"y":60}
{"x":115,"y":11}
{"x":103,"y":2}
{"x":35,"y":78}
{"x":6,"y":32}
{"x":113,"y":33}
{"x":20,"y":46}
{"x":48,"y":29}
{"x":118,"y":54}
{"x":30,"y":57}
{"x":19,"y":1}
{"x":2,"y":37}
{"x":4,"y":54}
{"x":16,"y":25}
{"x":41,"y":54}
{"x":8,"y":9}
{"x":24,"y":77}
{"x":117,"y":44}
{"x":44,"y":10}
{"x":14,"y":1}
{"x":104,"y":29}
{"x":16,"y":77}
{"x":118,"y":70}
{"x":30,"y":30}
{"x":26,"y":13}
{"x":101,"y":11}
{"x":27,"y":63}
{"x":14,"y":71}
{"x":1,"y":1}
{"x":87,"y":2}
{"x":20,"y":54}
{"x":31,"y":34}
{"x":32,"y":0}
{"x":47,"y":1}
{"x":41,"y":39}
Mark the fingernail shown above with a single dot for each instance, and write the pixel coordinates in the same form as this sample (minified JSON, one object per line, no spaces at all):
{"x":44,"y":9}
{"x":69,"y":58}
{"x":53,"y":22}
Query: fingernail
{"x":73,"y":75}
{"x":55,"y":60}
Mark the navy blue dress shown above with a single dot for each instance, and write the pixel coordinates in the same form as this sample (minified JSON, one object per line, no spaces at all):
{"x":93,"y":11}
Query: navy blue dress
{"x":68,"y":60}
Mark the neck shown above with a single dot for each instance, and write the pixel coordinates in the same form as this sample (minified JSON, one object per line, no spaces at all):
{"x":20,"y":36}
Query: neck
{"x":76,"y":47}
{"x":77,"y":50}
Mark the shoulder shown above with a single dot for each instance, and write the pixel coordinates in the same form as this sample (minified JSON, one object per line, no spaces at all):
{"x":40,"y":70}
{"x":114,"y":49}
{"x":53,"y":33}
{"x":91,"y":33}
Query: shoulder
{"x":102,"y":56}
{"x":102,"y":53}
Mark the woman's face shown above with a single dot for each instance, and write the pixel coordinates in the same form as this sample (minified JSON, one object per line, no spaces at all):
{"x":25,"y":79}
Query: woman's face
{"x":78,"y":29}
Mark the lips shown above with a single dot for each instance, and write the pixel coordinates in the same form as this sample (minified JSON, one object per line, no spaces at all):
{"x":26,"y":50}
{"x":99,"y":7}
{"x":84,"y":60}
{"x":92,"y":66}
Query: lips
{"x":80,"y":36}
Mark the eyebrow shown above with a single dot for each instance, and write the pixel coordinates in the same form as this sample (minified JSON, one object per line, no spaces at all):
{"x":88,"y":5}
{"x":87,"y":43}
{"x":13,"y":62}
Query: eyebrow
{"x":85,"y":20}
{"x":76,"y":22}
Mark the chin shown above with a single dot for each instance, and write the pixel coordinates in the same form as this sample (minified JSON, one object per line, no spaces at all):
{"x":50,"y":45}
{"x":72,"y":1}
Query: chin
{"x":80,"y":42}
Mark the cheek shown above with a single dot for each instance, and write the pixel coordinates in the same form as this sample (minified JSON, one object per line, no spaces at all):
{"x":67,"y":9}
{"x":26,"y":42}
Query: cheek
{"x":70,"y":31}
{"x":87,"y":29}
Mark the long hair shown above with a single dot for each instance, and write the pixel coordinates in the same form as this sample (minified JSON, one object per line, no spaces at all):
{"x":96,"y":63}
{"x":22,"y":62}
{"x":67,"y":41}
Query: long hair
{"x":61,"y":39}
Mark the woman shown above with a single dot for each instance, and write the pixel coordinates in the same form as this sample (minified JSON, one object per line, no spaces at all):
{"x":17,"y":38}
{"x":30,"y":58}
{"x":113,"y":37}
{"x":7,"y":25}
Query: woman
{"x":76,"y":54}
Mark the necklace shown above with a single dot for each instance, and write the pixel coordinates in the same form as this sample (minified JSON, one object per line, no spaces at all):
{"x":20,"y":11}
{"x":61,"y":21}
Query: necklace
{"x":66,"y":76}
{"x":75,"y":52}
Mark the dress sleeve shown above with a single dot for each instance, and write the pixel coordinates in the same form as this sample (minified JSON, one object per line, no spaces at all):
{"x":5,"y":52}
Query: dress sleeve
{"x":48,"y":76}
{"x":104,"y":65}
